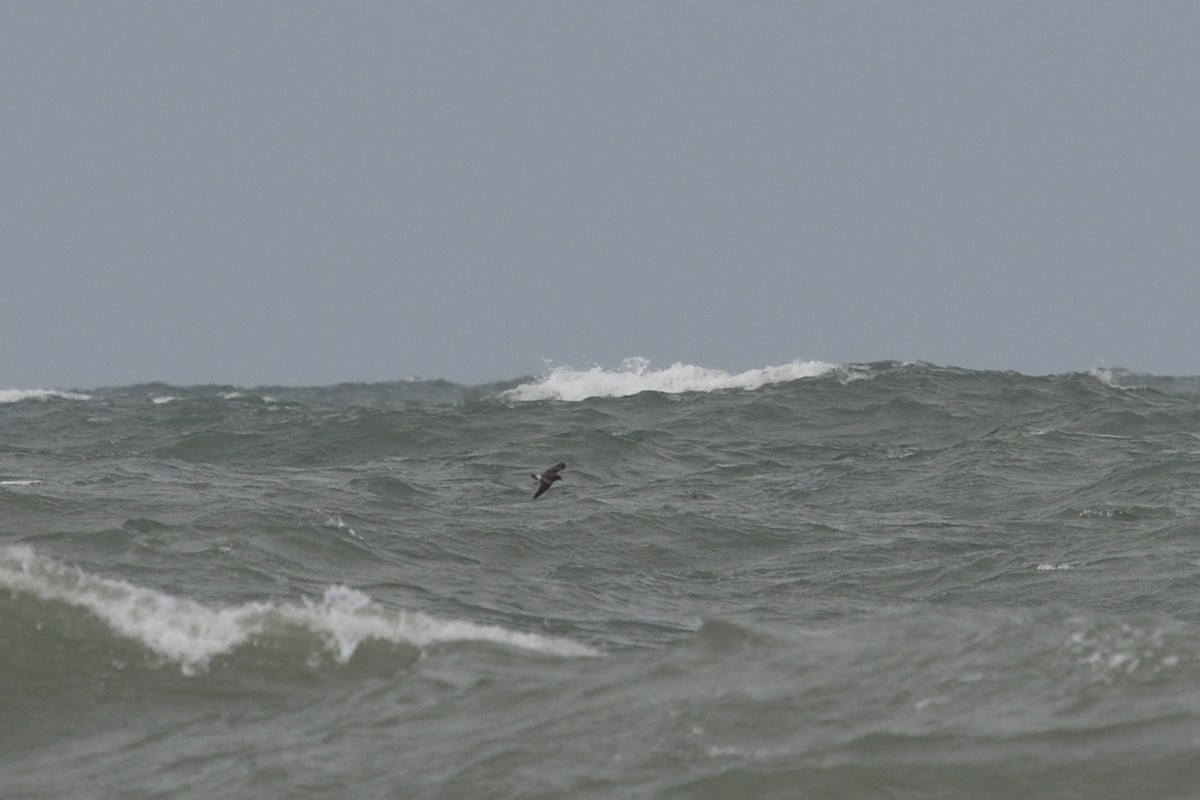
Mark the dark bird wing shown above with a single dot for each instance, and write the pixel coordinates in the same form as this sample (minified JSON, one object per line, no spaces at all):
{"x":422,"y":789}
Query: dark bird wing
{"x":548,"y":478}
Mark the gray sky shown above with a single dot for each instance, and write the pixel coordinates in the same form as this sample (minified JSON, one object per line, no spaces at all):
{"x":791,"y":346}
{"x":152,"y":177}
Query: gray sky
{"x":298,"y":193}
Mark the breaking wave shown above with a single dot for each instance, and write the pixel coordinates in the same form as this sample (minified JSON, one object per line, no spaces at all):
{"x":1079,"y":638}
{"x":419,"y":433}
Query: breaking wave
{"x":17,"y":395}
{"x":190,"y":633}
{"x":635,"y":375}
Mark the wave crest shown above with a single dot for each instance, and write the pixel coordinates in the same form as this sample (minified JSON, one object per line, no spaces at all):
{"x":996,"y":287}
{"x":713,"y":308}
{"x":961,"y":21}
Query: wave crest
{"x":189,"y":633}
{"x":17,"y":395}
{"x":635,"y":375}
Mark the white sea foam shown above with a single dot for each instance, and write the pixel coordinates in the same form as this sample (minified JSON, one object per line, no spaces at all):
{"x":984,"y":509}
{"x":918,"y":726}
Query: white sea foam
{"x":1111,"y":379}
{"x":17,"y":395}
{"x":336,"y":522}
{"x":166,"y":398}
{"x":190,"y":633}
{"x":1114,"y":652}
{"x":20,"y":482}
{"x":635,"y":375}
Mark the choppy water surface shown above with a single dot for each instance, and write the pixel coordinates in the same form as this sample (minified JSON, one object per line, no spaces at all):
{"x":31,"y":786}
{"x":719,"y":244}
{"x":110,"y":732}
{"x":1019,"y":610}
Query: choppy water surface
{"x":811,"y":580}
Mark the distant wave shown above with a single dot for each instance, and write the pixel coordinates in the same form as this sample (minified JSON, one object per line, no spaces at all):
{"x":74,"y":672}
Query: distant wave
{"x":17,"y":395}
{"x":635,"y":375}
{"x":189,"y":633}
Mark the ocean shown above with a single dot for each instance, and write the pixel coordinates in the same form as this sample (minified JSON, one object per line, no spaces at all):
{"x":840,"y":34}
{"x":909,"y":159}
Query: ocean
{"x":812,"y":580}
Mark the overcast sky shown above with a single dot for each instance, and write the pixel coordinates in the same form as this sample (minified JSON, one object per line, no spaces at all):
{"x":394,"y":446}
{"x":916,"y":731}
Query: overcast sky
{"x":308,"y":193}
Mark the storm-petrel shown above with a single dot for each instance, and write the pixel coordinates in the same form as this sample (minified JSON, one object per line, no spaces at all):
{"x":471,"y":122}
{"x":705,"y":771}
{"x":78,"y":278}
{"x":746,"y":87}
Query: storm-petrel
{"x":548,"y":478}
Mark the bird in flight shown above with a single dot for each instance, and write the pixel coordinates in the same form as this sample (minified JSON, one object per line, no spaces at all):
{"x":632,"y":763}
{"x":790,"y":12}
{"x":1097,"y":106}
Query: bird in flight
{"x":547,"y":478}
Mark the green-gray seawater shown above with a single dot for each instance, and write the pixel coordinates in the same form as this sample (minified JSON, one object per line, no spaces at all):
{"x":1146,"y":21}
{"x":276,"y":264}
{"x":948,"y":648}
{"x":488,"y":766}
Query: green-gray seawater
{"x":868,"y":581}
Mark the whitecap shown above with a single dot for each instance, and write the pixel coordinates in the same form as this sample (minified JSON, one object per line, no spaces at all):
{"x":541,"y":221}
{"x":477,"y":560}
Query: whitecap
{"x":336,"y":522}
{"x":635,"y":375}
{"x":190,"y":634}
{"x":17,"y":395}
{"x":1110,"y":379}
{"x":1113,"y":650}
